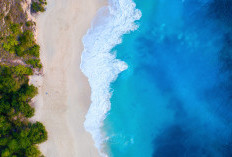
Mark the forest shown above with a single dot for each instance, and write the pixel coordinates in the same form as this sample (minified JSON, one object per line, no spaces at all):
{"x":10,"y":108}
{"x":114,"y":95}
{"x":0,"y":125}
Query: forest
{"x":19,"y":59}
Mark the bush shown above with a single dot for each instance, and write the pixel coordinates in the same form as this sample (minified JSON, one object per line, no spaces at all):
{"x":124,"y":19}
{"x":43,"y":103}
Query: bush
{"x":33,"y":51}
{"x":37,"y":134}
{"x":32,"y":152}
{"x":21,"y":43}
{"x":25,"y":42}
{"x":15,"y":28}
{"x":22,"y":70}
{"x":3,"y":141}
{"x":4,"y":106}
{"x":10,"y":44}
{"x":18,"y":136}
{"x":35,"y":63}
{"x":5,"y":153}
{"x":8,"y":85}
{"x":37,"y":7}
{"x":13,"y":145}
{"x":29,"y":23}
{"x":26,"y":93}
{"x":24,"y":143}
{"x":27,"y":39}
{"x":27,"y":110}
{"x":19,"y":50}
{"x":4,"y":126}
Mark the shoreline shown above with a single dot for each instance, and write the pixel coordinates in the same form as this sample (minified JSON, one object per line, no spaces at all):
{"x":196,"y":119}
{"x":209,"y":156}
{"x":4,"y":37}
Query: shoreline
{"x":64,"y":92}
{"x":101,"y":65}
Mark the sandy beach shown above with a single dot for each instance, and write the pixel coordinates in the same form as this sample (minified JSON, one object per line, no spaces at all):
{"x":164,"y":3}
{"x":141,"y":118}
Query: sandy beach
{"x":64,"y":92}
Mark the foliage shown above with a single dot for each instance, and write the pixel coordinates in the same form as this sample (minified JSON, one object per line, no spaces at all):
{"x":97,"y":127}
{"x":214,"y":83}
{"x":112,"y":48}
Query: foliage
{"x":38,"y":6}
{"x":13,"y":145}
{"x":11,"y":40}
{"x":5,"y":153}
{"x":21,"y":43}
{"x":22,"y":70}
{"x":29,"y":23}
{"x":8,"y":84}
{"x":35,"y":63}
{"x":33,"y":51}
{"x":27,"y":39}
{"x":10,"y":44}
{"x":25,"y":93}
{"x":32,"y":152}
{"x":15,"y":28}
{"x":12,"y":78}
{"x":37,"y":133}
{"x":18,"y":136}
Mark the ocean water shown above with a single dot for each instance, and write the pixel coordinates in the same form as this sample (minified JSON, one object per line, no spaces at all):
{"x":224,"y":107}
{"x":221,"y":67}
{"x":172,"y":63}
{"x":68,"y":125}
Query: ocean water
{"x":160,"y":73}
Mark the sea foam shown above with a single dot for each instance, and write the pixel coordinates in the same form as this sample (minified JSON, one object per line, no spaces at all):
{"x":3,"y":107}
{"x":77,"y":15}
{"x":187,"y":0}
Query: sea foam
{"x":100,"y":65}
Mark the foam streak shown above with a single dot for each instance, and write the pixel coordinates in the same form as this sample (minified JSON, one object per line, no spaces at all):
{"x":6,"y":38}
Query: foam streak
{"x":100,"y":65}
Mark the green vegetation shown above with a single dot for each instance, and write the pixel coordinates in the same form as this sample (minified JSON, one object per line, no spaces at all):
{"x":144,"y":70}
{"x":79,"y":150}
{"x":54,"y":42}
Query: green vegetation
{"x":38,"y":6}
{"x":32,"y":152}
{"x":21,"y":43}
{"x":29,"y":23}
{"x":35,"y":63}
{"x":27,"y":45}
{"x":11,"y":13}
{"x":17,"y":40}
{"x":19,"y":57}
{"x":18,"y":136}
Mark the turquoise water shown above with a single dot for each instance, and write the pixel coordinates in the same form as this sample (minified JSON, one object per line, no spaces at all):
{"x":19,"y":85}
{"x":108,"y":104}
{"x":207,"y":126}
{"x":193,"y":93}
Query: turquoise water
{"x":174,"y":99}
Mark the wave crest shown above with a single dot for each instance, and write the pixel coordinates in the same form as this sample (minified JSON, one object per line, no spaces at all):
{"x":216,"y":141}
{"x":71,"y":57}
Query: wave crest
{"x":100,"y":65}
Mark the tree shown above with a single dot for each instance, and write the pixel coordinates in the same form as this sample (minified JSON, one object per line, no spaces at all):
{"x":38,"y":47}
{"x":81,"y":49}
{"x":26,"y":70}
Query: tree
{"x":35,"y":63}
{"x":18,"y":136}
{"x":15,"y":28}
{"x":32,"y":152}
{"x":8,"y":84}
{"x":24,"y":143}
{"x":38,"y":6}
{"x":4,"y":125}
{"x":13,"y":145}
{"x":19,"y":50}
{"x":27,"y":110}
{"x":34,"y":50}
{"x":5,"y":153}
{"x":37,"y":133}
{"x":3,"y":141}
{"x":10,"y":44}
{"x":26,"y":93}
{"x":27,"y":39}
{"x":22,"y":70}
{"x":4,"y":106}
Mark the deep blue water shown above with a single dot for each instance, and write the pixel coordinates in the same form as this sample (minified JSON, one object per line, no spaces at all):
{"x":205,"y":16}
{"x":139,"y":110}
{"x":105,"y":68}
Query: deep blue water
{"x":174,"y":100}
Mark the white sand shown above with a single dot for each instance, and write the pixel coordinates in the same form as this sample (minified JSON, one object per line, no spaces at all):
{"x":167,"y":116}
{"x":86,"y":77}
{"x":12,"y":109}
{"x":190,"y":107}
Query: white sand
{"x":65,"y":93}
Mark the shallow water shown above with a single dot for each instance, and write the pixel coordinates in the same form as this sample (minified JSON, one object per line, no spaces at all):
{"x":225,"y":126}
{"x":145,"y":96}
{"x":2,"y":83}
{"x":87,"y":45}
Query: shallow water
{"x":175,"y":97}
